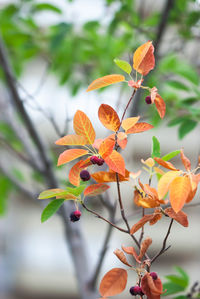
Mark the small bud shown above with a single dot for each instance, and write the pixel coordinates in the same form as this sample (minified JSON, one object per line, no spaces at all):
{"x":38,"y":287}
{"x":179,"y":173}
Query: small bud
{"x":154,"y":275}
{"x":148,"y":100}
{"x":100,"y":162}
{"x":75,"y":216}
{"x":85,"y":175}
{"x":94,"y":159}
{"x":136,"y":290}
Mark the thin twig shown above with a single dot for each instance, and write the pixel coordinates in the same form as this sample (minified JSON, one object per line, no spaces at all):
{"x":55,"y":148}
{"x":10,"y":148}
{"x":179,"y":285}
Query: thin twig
{"x":106,"y":220}
{"x":163,"y":249}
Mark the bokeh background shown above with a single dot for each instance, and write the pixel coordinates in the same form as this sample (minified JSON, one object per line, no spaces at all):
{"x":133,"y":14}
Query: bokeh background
{"x":55,"y":49}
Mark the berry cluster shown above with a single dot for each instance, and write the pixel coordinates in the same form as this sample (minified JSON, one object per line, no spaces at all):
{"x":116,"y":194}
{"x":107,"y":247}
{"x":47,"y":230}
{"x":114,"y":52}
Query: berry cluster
{"x":96,"y":160}
{"x":75,"y":216}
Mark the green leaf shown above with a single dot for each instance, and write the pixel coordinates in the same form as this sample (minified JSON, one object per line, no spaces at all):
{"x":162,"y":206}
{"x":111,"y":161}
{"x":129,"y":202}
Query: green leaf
{"x":183,"y":274}
{"x":51,"y":209}
{"x":189,"y":101}
{"x":186,"y":127}
{"x":181,"y":297}
{"x":172,"y":288}
{"x":124,"y":65}
{"x":177,"y":85}
{"x":177,"y":120}
{"x":5,"y":188}
{"x":52,"y":193}
{"x":46,"y":6}
{"x":171,"y":155}
{"x":155,"y":148}
{"x":179,"y":280}
{"x":76,"y":191}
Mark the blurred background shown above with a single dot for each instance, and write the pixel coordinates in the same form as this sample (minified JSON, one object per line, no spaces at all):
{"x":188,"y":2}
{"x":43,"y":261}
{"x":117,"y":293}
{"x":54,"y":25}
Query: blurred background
{"x":49,"y":53}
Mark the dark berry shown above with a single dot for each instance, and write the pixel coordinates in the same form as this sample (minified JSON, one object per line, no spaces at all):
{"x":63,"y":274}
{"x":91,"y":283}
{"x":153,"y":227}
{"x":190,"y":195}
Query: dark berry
{"x":75,"y":216}
{"x":154,"y":275}
{"x":94,"y":159}
{"x":148,"y":100}
{"x":85,"y":175}
{"x":100,"y":161}
{"x":136,"y":290}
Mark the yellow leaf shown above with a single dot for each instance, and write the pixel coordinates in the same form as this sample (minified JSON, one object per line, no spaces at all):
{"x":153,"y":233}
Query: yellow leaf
{"x":165,"y":181}
{"x":129,"y":122}
{"x":179,"y":190}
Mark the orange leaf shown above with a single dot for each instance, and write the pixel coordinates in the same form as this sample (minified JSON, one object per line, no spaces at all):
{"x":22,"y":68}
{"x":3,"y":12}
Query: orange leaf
{"x":95,"y":189}
{"x":165,"y":164}
{"x":121,"y":257}
{"x":74,"y":174}
{"x":83,"y":126}
{"x":141,"y":223}
{"x":116,"y":163}
{"x":193,"y":182}
{"x":131,"y":251}
{"x":109,"y":117}
{"x":143,"y":58}
{"x":113,"y":282}
{"x":70,"y":155}
{"x":106,"y":147}
{"x":180,"y":217}
{"x":144,"y":247}
{"x":129,"y":122}
{"x":72,"y":140}
{"x":151,"y":288}
{"x":160,"y":105}
{"x":186,"y":162}
{"x":105,"y":81}
{"x":105,"y":177}
{"x":165,"y":181}
{"x":179,"y":190}
{"x":139,"y":127}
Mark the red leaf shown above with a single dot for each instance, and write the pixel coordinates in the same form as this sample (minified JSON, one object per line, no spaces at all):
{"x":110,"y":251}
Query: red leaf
{"x":180,"y":217}
{"x":143,"y":58}
{"x":139,"y":127}
{"x":70,"y":155}
{"x":151,"y":288}
{"x":83,"y":126}
{"x":113,"y":282}
{"x":105,"y":81}
{"x":109,"y":117}
{"x":95,"y":189}
{"x":160,"y":105}
{"x":116,"y":163}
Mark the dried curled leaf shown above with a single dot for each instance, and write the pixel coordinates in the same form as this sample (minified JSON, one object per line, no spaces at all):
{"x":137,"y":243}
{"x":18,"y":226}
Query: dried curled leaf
{"x":143,"y":58}
{"x":151,"y":288}
{"x":144,"y":247}
{"x":186,"y":162}
{"x":180,"y":217}
{"x":131,"y":250}
{"x":121,"y":256}
{"x":113,"y":282}
{"x":141,"y":223}
{"x":105,"y":81}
